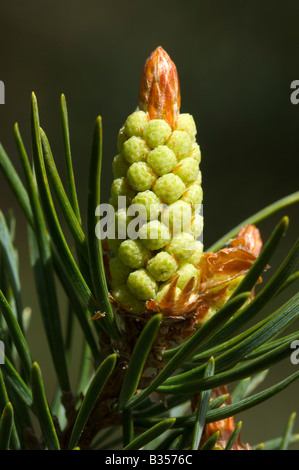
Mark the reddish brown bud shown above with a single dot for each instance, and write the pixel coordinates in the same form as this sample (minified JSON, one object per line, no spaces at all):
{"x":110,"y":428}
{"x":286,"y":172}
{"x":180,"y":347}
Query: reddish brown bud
{"x":225,"y":427}
{"x":249,"y":238}
{"x":160,"y":93}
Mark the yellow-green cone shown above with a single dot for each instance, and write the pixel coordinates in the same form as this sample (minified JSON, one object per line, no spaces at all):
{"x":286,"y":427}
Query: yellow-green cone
{"x":157,"y":170}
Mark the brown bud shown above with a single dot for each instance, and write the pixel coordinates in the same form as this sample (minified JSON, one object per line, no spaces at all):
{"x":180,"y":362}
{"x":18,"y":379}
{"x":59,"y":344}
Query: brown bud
{"x":159,"y":94}
{"x":249,"y":238}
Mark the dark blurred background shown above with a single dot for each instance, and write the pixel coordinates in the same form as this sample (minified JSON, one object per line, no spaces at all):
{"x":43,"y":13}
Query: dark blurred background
{"x":236,"y":61}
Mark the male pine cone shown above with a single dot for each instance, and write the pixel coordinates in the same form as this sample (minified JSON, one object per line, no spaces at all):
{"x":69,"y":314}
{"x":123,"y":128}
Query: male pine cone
{"x":156,"y":262}
{"x":156,"y":257}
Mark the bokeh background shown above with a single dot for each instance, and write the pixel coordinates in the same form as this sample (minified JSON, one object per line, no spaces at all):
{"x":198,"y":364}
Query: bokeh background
{"x":236,"y":61}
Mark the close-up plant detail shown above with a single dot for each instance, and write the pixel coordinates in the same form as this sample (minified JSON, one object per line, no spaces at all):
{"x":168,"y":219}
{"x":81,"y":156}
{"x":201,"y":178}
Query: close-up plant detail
{"x":174,"y":338}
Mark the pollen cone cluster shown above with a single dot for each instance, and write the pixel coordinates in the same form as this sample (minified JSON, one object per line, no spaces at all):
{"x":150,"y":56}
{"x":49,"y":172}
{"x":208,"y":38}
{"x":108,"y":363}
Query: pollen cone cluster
{"x":154,"y":253}
{"x":157,"y":195}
